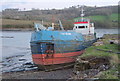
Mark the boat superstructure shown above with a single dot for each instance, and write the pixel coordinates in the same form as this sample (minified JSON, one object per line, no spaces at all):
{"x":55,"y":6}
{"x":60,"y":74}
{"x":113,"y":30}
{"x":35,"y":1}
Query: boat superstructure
{"x":83,"y":25}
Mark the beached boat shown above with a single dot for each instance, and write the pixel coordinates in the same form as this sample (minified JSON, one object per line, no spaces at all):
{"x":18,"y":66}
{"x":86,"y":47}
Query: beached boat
{"x":53,"y":49}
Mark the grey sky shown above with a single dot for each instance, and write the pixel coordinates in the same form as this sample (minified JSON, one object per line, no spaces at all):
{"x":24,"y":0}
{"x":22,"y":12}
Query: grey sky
{"x":58,"y":4}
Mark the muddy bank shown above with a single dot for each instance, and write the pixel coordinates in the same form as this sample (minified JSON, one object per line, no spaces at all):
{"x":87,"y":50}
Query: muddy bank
{"x":35,"y":74}
{"x":88,"y":67}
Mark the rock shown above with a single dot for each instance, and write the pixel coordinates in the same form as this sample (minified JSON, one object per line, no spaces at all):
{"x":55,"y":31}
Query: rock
{"x":7,"y":37}
{"x":98,"y":43}
{"x":29,"y":63}
{"x":114,"y":42}
{"x":86,"y":73}
{"x":22,"y":59}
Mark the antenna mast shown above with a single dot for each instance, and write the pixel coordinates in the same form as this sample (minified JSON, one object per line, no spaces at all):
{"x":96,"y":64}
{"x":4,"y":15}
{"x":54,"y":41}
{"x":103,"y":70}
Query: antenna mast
{"x":82,"y":13}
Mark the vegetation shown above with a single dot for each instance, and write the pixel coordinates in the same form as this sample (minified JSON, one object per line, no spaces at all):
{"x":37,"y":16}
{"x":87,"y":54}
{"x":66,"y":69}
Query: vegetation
{"x":12,"y":23}
{"x":102,"y":21}
{"x":113,"y":72}
{"x":92,"y":51}
{"x":16,"y":22}
{"x":103,"y":17}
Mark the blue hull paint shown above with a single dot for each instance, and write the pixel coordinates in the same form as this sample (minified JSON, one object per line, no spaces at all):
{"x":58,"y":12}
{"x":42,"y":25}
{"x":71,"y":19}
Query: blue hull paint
{"x":63,"y":41}
{"x":45,"y":35}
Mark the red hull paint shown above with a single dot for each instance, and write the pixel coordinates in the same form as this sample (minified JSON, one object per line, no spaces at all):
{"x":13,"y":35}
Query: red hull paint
{"x":58,"y":58}
{"x":80,"y":22}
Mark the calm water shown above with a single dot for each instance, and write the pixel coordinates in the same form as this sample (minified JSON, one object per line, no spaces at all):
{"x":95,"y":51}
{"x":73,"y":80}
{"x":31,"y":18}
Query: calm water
{"x":16,"y":54}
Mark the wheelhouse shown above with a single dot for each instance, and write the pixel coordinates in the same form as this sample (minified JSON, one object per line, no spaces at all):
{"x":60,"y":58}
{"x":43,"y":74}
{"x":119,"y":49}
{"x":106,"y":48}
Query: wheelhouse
{"x":84,"y":26}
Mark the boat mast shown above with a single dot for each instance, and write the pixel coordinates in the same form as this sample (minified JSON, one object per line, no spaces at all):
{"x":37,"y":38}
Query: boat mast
{"x":42,"y":22}
{"x":53,"y":21}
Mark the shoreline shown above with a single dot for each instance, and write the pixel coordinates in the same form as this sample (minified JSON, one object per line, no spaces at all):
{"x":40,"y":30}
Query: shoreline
{"x":27,"y":30}
{"x":30,"y":29}
{"x":67,"y":73}
{"x":17,"y":30}
{"x":35,"y":74}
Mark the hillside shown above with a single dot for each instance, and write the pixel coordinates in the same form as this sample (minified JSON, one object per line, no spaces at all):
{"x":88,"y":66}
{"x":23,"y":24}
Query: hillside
{"x":103,"y":17}
{"x":113,"y":17}
{"x":20,"y":24}
{"x":104,"y":21}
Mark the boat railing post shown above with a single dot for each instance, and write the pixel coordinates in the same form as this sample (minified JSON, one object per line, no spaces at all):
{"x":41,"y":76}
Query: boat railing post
{"x":89,"y":25}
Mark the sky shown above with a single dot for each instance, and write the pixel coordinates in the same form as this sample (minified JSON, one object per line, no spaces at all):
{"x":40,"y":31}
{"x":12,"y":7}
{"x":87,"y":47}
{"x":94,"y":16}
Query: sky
{"x":52,"y":4}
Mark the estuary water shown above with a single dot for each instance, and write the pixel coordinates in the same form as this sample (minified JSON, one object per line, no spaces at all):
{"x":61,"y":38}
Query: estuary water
{"x":16,"y":53}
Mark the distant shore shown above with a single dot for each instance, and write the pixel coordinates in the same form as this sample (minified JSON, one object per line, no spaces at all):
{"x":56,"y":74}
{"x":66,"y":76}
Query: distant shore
{"x":31,"y":29}
{"x":16,"y":29}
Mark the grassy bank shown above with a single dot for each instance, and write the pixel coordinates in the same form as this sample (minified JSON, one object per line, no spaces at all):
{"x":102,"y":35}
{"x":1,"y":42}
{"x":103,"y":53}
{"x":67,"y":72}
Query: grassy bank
{"x":103,"y":50}
{"x":102,"y":17}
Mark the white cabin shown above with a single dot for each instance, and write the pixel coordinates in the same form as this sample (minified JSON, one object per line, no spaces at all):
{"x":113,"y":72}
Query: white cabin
{"x":84,"y":26}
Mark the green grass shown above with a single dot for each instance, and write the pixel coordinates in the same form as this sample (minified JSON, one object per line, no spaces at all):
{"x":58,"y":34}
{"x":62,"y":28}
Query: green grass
{"x":113,"y":16}
{"x":95,"y":18}
{"x":110,"y":74}
{"x":92,"y":51}
{"x":109,"y":47}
